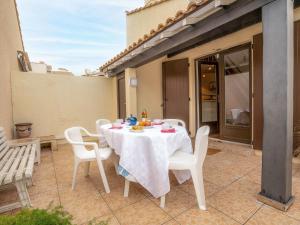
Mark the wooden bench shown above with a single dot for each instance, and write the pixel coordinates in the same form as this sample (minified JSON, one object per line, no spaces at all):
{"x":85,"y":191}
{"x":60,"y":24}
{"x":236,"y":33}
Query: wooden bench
{"x":49,"y":140}
{"x":16,"y":168}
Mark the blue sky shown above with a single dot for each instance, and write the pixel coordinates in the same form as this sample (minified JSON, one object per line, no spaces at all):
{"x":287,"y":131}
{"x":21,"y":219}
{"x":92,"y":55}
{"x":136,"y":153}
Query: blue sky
{"x":74,"y":34}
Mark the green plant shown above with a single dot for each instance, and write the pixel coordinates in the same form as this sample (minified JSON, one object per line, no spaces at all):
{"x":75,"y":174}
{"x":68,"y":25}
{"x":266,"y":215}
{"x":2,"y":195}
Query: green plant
{"x":50,"y":216}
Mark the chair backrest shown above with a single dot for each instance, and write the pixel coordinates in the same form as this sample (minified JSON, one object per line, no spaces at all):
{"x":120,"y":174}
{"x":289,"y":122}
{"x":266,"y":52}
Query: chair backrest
{"x":175,"y":122}
{"x":74,"y":135}
{"x":101,"y":122}
{"x":201,"y":144}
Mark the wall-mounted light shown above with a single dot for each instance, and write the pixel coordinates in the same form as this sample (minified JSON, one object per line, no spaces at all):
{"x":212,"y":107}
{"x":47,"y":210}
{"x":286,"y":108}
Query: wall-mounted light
{"x":133,"y":82}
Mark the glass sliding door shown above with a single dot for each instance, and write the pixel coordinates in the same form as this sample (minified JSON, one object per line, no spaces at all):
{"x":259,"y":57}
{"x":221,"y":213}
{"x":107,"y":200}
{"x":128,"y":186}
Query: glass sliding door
{"x":209,"y":109}
{"x":236,"y":94}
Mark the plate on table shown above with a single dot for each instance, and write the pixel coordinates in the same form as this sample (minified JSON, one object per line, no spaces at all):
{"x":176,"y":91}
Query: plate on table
{"x":136,"y":131}
{"x":148,"y":127}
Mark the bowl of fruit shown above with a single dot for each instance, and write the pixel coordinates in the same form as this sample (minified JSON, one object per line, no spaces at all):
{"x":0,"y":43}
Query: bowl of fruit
{"x":146,"y":124}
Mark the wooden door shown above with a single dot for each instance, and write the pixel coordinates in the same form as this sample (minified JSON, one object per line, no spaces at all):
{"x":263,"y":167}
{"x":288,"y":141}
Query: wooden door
{"x":176,"y":90}
{"x":258,"y":114}
{"x":297,"y":88}
{"x":235,"y":94}
{"x":121,"y":96}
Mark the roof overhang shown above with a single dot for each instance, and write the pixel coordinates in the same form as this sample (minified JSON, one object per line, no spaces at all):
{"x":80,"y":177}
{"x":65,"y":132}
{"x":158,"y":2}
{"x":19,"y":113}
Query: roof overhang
{"x":213,"y":20}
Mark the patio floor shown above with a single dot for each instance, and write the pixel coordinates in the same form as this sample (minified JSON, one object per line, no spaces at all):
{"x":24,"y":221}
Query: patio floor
{"x":232,"y":180}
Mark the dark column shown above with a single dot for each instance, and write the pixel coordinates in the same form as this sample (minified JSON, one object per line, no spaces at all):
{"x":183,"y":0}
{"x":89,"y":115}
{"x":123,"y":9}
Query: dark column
{"x":278,"y":104}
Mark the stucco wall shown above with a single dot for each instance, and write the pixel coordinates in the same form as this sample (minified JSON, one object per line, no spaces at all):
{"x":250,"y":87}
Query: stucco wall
{"x":142,"y":22}
{"x":10,"y":42}
{"x":55,"y":102}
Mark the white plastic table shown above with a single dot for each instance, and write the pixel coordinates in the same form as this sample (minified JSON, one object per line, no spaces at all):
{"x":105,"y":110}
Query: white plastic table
{"x":145,"y":155}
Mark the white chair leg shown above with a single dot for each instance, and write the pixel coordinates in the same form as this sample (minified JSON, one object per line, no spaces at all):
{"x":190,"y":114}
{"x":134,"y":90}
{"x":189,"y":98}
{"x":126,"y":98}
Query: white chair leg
{"x":76,"y":164}
{"x":199,"y":187}
{"x":87,"y":168}
{"x":126,"y":188}
{"x":162,"y":201}
{"x":103,"y":176}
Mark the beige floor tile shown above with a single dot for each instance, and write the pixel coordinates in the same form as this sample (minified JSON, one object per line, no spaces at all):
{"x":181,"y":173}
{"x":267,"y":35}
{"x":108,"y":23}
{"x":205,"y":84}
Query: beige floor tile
{"x":221,"y":177}
{"x":208,"y":187}
{"x":196,"y":216}
{"x":238,"y":200}
{"x":116,"y":200}
{"x":172,"y":222}
{"x":80,"y":191}
{"x":42,"y":185}
{"x":254,"y":175}
{"x":267,"y":215}
{"x":296,"y":185}
{"x":108,"y":219}
{"x":84,"y":207}
{"x":44,"y":200}
{"x":144,"y":212}
{"x":177,"y":201}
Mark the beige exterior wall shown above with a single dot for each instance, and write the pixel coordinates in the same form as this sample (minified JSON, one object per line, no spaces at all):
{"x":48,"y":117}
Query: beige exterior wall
{"x":142,"y":22}
{"x":55,"y":102}
{"x":10,"y":42}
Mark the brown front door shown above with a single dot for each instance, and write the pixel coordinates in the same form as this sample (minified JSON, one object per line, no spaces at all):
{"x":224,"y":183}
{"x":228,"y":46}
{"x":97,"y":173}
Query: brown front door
{"x":235,"y":92}
{"x":121,"y":96}
{"x":176,"y":90}
{"x":297,"y":88}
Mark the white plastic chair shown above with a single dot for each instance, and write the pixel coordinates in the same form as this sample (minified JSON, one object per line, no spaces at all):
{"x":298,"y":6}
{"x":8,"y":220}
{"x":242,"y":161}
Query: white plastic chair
{"x":184,"y":161}
{"x":99,"y":123}
{"x":175,"y":122}
{"x":103,"y":142}
{"x":81,"y":154}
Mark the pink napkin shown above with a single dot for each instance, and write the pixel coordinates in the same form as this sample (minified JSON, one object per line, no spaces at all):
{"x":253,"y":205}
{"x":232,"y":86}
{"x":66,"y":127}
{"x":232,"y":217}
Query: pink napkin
{"x":172,"y":130}
{"x":155,"y":124}
{"x":118,"y":128}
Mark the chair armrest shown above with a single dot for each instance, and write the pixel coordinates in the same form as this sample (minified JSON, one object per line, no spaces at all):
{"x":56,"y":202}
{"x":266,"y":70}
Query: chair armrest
{"x":95,"y":145}
{"x":93,"y":135}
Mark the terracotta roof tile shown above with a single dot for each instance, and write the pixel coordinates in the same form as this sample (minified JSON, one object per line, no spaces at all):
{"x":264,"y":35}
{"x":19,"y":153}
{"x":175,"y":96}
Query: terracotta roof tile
{"x":170,"y":21}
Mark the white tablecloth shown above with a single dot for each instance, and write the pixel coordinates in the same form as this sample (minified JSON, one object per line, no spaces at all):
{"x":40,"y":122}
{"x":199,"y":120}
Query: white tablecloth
{"x":145,"y":155}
